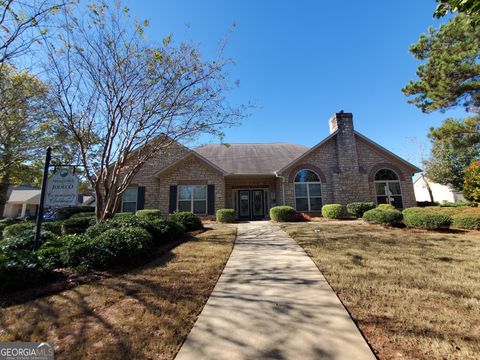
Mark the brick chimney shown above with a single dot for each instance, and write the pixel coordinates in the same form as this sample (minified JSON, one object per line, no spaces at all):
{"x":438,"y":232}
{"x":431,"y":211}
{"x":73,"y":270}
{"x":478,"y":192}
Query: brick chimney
{"x":347,"y":158}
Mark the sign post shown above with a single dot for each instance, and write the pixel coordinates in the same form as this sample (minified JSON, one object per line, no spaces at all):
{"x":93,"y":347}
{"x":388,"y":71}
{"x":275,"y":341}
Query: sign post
{"x":38,"y":227}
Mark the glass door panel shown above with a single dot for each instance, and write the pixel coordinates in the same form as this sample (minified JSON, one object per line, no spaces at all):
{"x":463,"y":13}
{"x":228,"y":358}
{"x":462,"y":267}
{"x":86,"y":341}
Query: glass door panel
{"x":244,"y":203}
{"x":258,"y":207}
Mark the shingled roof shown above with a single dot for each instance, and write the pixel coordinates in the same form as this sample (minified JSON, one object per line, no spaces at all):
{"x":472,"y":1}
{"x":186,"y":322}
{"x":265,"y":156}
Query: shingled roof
{"x":246,"y":159}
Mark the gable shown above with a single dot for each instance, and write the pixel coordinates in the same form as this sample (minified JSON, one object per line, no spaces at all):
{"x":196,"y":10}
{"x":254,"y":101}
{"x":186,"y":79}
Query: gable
{"x":370,"y":153}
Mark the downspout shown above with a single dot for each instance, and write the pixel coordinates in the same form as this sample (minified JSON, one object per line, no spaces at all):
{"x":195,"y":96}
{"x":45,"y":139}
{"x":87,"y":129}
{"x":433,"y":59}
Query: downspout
{"x":283,"y":186}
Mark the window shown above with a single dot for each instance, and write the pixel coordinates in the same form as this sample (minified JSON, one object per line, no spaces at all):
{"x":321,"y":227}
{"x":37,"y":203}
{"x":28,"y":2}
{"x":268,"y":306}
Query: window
{"x":387,"y":188}
{"x":192,"y":198}
{"x":308,"y":191}
{"x":129,"y":200}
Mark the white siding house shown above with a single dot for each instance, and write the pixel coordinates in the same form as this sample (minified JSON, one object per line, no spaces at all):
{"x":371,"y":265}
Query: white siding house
{"x":440,"y":192}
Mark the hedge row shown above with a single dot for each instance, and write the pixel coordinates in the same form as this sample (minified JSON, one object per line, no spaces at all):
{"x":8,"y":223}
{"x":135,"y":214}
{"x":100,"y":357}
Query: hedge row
{"x":77,"y":243}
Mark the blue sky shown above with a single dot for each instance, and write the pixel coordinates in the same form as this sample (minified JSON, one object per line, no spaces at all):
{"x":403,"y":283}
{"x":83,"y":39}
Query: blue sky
{"x":302,"y":61}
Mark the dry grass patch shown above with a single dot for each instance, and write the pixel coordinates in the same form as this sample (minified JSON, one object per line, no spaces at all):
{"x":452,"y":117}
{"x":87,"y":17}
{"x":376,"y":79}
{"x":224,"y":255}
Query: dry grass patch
{"x":414,"y":294}
{"x":143,"y":314}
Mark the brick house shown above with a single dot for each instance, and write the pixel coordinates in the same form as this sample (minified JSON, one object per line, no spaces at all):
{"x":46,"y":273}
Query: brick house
{"x":251,"y":178}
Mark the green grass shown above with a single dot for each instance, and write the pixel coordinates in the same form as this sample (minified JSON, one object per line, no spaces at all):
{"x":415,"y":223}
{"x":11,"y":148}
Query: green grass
{"x":414,"y":294}
{"x":143,"y":314}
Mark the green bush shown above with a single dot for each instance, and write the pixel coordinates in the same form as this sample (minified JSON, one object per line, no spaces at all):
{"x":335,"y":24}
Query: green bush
{"x":149,"y":214}
{"x":21,"y":270}
{"x":165,"y":230}
{"x":118,"y":222}
{"x":387,"y":217}
{"x":189,"y":220}
{"x":123,"y":216}
{"x":426,"y":218}
{"x":23,"y":241}
{"x":77,"y":225}
{"x":358,"y":208}
{"x":467,"y":219}
{"x":115,"y":247}
{"x":386,"y":207}
{"x":19,"y":229}
{"x":99,"y":228}
{"x":52,"y":251}
{"x":88,"y":214}
{"x":76,"y":248}
{"x":53,"y":226}
{"x":283,"y":214}
{"x":333,"y":211}
{"x":226,"y":215}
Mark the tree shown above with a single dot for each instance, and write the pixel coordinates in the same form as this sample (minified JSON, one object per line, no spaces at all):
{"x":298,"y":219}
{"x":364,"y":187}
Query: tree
{"x":124,"y":101}
{"x":450,"y":77}
{"x":471,"y":188}
{"x":23,"y":114}
{"x":469,"y":7}
{"x":22,"y":24}
{"x":455,"y":144}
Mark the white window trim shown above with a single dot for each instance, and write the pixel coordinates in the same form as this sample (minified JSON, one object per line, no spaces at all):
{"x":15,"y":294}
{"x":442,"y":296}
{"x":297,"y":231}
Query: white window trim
{"x":387,"y":195}
{"x":308,"y":197}
{"x":192,"y":198}
{"x":136,"y":198}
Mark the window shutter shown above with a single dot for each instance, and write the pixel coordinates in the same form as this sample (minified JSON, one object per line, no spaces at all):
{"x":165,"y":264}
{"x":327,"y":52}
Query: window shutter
{"x":141,"y":198}
{"x":172,"y":205}
{"x":211,"y":200}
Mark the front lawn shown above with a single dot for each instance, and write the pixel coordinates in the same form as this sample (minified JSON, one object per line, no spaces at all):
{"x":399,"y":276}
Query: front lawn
{"x":414,"y":294}
{"x":142,"y":314}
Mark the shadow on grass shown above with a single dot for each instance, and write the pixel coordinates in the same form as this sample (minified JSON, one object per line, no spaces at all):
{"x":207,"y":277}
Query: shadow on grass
{"x":66,"y":279}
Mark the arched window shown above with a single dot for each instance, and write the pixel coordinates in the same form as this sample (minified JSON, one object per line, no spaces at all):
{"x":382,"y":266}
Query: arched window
{"x":387,"y":188}
{"x":308,"y":191}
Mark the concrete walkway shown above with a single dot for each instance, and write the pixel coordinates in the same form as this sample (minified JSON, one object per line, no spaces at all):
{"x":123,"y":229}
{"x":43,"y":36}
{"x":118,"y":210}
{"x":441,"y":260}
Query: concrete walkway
{"x":271,"y":302}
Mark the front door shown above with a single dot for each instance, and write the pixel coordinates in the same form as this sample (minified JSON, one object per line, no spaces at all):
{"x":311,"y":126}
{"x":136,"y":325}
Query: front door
{"x":251,"y":204}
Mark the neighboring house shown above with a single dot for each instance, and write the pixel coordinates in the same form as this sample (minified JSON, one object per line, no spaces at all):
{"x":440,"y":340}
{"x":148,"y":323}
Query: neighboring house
{"x":440,"y":193}
{"x":252,"y":178}
{"x":22,"y":201}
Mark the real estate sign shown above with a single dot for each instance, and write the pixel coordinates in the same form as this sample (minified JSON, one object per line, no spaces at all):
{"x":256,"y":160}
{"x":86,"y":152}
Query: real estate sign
{"x":62,"y":189}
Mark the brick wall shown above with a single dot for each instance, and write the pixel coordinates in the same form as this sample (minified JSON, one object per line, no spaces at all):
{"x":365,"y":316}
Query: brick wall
{"x":194,"y":171}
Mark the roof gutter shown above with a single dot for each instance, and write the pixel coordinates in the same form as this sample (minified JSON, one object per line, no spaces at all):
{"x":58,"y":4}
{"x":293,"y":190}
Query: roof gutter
{"x":283,"y":186}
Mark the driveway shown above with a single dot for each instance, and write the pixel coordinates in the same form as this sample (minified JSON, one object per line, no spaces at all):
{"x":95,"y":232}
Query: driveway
{"x":271,"y":302}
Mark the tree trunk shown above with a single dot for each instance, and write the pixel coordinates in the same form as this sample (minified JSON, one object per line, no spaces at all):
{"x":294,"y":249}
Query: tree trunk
{"x":3,"y":192}
{"x":429,"y":189}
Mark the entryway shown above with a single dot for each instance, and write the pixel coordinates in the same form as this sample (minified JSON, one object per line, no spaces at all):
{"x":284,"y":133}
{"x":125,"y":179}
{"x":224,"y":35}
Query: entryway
{"x":251,"y":204}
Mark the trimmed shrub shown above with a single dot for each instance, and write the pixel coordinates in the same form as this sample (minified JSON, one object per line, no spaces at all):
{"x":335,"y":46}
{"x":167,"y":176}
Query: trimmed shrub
{"x":21,"y":270}
{"x":149,"y":214}
{"x":386,"y":207}
{"x":76,"y":248}
{"x":467,"y":219}
{"x":77,"y":225}
{"x":333,"y":211}
{"x":53,"y":226}
{"x":189,"y":220}
{"x":226,"y":215}
{"x":68,"y":212}
{"x":123,"y":216}
{"x":51,"y":252}
{"x":426,"y":218}
{"x":19,"y":229}
{"x":115,"y":247}
{"x":166,"y":230}
{"x":23,"y":241}
{"x":283,"y":214}
{"x":83,"y":214}
{"x":117,"y":222}
{"x":358,"y":208}
{"x":426,"y":203}
{"x":99,"y":228}
{"x":386,"y":217}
